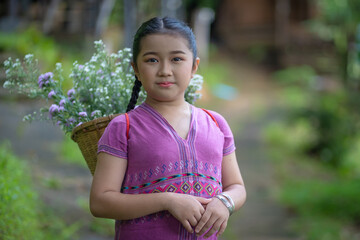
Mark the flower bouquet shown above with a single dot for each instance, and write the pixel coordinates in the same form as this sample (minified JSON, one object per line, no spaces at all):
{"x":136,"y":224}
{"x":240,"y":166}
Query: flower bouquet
{"x":101,"y":90}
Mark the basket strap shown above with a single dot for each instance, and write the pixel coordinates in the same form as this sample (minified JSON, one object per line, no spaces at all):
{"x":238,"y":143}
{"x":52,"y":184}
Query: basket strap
{"x":212,"y":117}
{"x":127,"y":125}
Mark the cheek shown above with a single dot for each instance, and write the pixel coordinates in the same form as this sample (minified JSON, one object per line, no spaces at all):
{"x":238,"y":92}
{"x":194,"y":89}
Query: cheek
{"x":144,"y":73}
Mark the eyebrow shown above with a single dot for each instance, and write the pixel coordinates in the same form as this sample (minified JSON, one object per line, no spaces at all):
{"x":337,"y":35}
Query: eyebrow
{"x":172,"y":52}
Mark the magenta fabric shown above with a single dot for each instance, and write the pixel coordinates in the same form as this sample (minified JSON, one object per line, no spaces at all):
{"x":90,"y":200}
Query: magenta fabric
{"x":159,"y":160}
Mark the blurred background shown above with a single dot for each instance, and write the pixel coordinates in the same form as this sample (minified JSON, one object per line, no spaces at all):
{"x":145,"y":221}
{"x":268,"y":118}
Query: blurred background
{"x":284,"y":73}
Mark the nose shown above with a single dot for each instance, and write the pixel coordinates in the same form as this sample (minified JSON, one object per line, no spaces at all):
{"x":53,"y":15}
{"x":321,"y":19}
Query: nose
{"x":165,"y":69}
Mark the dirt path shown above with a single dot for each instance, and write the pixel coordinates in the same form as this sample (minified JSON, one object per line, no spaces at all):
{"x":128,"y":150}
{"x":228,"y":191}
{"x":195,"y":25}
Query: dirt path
{"x":260,"y":219}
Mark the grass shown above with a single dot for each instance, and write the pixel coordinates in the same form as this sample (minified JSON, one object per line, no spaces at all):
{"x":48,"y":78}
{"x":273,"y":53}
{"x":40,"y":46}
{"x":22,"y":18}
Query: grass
{"x":71,"y":153}
{"x":22,"y":214}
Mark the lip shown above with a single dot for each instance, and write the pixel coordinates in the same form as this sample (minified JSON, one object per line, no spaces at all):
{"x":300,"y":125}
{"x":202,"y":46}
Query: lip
{"x":165,"y":84}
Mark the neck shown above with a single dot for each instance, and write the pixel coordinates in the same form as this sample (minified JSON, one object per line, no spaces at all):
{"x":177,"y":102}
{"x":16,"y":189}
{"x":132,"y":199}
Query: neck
{"x":165,"y":106}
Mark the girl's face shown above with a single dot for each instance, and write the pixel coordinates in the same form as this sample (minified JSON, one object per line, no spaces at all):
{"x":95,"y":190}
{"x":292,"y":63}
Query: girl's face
{"x":165,"y":66}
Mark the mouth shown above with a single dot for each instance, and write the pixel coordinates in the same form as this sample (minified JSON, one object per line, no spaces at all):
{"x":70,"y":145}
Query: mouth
{"x":165,"y":84}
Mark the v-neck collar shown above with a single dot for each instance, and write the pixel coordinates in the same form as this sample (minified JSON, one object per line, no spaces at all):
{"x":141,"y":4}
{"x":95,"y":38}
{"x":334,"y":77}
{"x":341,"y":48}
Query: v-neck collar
{"x":166,"y":124}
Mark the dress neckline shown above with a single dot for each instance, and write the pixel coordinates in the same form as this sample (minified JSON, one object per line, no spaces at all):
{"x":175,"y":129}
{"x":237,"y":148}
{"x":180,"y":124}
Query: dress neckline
{"x":164,"y":122}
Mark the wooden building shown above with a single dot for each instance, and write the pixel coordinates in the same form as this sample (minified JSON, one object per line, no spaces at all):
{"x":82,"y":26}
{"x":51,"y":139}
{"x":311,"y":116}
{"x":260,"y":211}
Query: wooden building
{"x":274,"y":28}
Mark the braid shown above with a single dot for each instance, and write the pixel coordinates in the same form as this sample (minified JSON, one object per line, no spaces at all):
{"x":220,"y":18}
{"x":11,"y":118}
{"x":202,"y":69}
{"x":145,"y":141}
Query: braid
{"x":134,"y":94}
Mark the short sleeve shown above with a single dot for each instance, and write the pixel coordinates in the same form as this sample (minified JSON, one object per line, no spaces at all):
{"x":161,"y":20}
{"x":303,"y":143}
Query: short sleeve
{"x":229,"y":143}
{"x":114,"y":140}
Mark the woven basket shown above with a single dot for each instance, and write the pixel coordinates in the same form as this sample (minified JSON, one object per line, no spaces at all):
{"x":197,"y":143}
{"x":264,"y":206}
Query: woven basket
{"x":87,"y":136}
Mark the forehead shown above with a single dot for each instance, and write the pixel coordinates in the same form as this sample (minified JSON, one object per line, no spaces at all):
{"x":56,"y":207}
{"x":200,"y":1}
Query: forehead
{"x":164,"y":42}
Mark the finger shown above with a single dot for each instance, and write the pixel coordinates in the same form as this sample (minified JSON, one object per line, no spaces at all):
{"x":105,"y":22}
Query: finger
{"x":222,"y":229}
{"x":204,"y":219}
{"x":203,"y":201}
{"x":187,"y":226}
{"x":207,"y":226}
{"x":213,"y":229}
{"x":193,"y":221}
{"x":198,"y":216}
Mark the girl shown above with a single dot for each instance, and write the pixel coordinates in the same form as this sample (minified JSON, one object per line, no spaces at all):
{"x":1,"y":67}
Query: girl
{"x":166,"y":170}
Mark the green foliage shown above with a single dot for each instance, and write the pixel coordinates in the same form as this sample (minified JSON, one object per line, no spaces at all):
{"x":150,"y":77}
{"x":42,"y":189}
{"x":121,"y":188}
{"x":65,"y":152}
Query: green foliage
{"x":301,"y":138}
{"x":307,"y":98}
{"x":351,"y":164}
{"x":304,"y":76}
{"x":334,"y":199}
{"x":18,"y":201}
{"x":215,"y":73}
{"x":325,"y":209}
{"x":102,"y":86}
{"x":338,"y":22}
{"x":102,"y":226}
{"x":334,"y":126}
{"x":22,"y":215}
{"x":71,"y":153}
{"x":316,"y":148}
{"x":47,"y":51}
{"x":31,"y":40}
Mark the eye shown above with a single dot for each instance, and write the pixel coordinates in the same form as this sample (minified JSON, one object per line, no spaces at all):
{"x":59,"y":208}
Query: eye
{"x":177,"y":59}
{"x":152,"y":60}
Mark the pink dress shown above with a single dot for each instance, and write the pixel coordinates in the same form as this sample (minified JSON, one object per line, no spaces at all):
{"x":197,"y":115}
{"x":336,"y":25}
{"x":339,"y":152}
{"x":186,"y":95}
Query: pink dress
{"x":159,"y":160}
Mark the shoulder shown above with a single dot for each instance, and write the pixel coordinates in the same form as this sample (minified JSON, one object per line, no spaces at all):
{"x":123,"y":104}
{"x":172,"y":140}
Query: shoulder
{"x":212,"y":114}
{"x":120,"y":119}
{"x":217,"y":118}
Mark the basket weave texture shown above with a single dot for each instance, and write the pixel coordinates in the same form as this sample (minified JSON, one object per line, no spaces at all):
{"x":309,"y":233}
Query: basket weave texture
{"x":87,"y":136}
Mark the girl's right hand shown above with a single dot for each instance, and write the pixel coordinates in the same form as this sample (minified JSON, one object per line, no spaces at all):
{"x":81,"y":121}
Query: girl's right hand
{"x":187,"y":209}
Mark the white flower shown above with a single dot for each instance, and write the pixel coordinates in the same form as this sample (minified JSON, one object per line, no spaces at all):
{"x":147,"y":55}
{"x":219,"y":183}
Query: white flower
{"x":7,"y":63}
{"x":28,"y":57}
{"x":91,"y":89}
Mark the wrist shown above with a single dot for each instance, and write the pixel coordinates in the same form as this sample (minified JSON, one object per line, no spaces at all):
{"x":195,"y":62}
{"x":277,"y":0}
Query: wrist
{"x":166,"y":200}
{"x":227,"y":201}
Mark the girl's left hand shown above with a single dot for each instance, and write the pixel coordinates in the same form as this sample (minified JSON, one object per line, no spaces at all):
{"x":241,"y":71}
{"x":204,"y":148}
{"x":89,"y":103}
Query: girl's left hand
{"x":213,"y":220}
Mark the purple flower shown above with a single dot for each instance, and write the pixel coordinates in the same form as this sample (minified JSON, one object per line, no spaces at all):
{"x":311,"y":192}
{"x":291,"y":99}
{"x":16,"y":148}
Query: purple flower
{"x":99,"y":72}
{"x":45,"y":79}
{"x":53,"y":109}
{"x":70,"y":122}
{"x":62,"y":102}
{"x":51,"y":94}
{"x":61,"y":108}
{"x":79,"y":124}
{"x":71,"y":93}
{"x":95,"y":113}
{"x":58,"y":123}
{"x":81,"y":67}
{"x":82,"y":114}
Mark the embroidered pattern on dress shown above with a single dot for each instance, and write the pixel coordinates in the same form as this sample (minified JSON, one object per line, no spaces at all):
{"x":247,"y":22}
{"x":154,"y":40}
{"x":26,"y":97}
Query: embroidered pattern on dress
{"x":112,"y":151}
{"x":134,"y":178}
{"x":196,"y":188}
{"x":172,"y":177}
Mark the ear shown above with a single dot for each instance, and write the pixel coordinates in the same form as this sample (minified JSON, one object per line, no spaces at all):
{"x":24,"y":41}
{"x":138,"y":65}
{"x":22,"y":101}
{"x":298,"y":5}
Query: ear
{"x":136,"y":71}
{"x":195,"y":66}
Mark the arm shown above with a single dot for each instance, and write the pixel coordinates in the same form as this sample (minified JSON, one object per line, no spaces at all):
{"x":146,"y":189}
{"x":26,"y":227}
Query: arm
{"x":216,"y":215}
{"x":107,"y":201}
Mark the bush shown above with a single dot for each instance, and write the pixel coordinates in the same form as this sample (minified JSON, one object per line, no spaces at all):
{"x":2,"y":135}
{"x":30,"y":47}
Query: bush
{"x":18,"y":201}
{"x":22,"y":215}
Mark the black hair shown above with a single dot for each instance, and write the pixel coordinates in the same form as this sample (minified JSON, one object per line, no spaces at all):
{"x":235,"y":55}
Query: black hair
{"x":158,"y":25}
